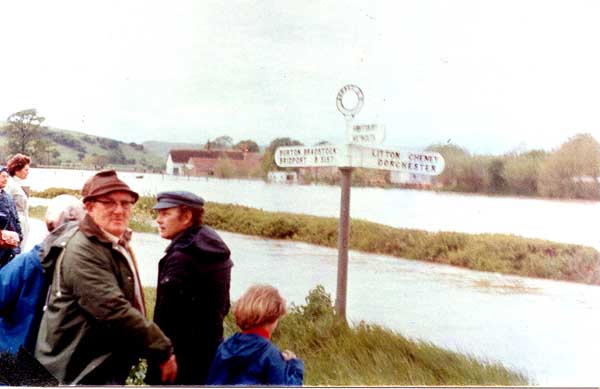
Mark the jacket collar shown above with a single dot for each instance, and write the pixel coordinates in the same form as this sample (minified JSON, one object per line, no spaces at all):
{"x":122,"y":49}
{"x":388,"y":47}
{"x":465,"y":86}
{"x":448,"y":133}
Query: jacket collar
{"x":184,"y":238}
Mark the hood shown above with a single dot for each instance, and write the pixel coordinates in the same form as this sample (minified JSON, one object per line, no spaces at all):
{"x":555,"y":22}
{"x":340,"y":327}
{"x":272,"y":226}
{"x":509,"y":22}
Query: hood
{"x":243,"y":349}
{"x":203,"y":242}
{"x":54,"y":243}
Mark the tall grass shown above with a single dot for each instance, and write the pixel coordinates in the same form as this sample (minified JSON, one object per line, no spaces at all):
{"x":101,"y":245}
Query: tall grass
{"x":335,"y":353}
{"x":501,"y":253}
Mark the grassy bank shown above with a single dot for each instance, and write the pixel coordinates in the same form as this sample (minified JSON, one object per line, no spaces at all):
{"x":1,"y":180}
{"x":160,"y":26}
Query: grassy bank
{"x":337,"y":354}
{"x":501,"y":253}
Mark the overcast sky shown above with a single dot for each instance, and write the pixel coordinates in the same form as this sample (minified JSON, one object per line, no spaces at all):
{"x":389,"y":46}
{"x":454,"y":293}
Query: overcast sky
{"x":491,"y":76}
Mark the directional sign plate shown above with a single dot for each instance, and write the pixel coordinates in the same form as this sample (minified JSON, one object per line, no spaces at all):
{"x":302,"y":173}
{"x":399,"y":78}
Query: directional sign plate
{"x":420,"y":162}
{"x":366,"y":134}
{"x":301,"y":156}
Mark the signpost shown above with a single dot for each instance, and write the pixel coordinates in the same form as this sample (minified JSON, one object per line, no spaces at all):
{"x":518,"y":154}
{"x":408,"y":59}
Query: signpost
{"x":356,"y":152}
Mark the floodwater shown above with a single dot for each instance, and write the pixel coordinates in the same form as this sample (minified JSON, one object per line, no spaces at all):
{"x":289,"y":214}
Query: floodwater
{"x":561,"y":221}
{"x":546,"y":329}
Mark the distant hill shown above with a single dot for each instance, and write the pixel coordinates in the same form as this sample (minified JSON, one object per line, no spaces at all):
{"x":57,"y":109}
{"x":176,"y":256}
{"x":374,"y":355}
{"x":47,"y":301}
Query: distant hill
{"x":73,"y":148}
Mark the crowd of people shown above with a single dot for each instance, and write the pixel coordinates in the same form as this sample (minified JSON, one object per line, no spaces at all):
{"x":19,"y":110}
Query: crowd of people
{"x":75,"y":300}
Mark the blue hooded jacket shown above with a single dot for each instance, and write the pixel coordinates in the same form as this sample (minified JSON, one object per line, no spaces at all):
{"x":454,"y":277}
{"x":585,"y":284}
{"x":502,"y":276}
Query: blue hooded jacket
{"x":249,"y":359}
{"x":22,"y":287}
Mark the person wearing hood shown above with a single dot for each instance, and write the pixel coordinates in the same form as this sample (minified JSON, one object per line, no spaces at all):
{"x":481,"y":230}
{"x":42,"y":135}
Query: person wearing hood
{"x":249,"y":357}
{"x":23,"y":284}
{"x":192,"y":296}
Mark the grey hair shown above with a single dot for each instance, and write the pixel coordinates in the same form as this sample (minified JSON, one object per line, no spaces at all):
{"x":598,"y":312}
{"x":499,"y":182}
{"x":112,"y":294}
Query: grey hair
{"x":63,"y":208}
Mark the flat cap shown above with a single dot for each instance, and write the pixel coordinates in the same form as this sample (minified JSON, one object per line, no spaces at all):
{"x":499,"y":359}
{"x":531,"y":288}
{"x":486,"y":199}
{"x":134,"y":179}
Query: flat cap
{"x":177,"y":198}
{"x":102,"y":183}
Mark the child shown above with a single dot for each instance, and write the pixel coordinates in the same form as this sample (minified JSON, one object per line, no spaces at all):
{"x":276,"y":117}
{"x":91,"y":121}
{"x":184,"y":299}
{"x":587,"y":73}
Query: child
{"x":249,"y":358}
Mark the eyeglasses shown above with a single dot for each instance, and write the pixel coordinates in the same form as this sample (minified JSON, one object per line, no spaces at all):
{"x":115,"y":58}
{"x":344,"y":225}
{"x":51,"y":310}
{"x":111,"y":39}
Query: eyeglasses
{"x":111,"y":205}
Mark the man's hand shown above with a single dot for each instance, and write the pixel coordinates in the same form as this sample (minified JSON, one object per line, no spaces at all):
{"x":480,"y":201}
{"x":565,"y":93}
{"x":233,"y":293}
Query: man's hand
{"x":168,"y":370}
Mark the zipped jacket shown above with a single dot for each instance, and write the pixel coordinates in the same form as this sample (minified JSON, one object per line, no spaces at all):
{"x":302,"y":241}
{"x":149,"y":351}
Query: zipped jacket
{"x":250,"y":359}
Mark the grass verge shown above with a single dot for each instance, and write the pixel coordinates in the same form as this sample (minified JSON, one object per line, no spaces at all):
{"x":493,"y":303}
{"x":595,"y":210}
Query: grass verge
{"x":337,"y":354}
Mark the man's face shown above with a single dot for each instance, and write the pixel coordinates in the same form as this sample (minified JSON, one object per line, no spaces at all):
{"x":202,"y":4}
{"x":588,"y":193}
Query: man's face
{"x":111,"y":212}
{"x":3,"y":179}
{"x":171,"y":221}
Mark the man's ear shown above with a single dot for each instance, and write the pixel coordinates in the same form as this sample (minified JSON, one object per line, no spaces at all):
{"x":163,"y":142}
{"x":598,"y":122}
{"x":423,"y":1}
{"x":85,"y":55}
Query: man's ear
{"x":89,"y":205}
{"x":185,"y":215}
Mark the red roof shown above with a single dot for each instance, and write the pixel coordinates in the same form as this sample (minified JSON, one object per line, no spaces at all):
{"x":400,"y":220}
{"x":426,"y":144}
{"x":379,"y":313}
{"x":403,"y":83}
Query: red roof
{"x":184,"y":155}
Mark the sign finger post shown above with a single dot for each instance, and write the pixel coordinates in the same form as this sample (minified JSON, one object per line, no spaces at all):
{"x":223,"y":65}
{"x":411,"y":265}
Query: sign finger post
{"x":357,"y":151}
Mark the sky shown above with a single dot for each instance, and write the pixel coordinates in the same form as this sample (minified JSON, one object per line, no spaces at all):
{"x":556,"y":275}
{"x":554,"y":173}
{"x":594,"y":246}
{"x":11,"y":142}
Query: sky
{"x":489,"y":76}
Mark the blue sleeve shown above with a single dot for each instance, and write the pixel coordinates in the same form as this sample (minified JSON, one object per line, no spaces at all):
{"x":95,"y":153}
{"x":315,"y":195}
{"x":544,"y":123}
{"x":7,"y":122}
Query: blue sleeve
{"x":281,"y":372}
{"x":11,"y":283}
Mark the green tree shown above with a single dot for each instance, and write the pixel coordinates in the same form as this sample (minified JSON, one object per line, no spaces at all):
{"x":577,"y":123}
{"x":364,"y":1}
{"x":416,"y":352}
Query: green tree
{"x":24,"y":127}
{"x":495,"y":170}
{"x":522,"y":172}
{"x":224,"y":168}
{"x":42,"y":150}
{"x":248,"y":145}
{"x":572,"y":170}
{"x":455,"y":157}
{"x":222,"y":142}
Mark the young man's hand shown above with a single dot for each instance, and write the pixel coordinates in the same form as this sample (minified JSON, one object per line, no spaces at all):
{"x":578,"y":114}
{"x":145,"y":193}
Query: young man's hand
{"x":168,"y":370}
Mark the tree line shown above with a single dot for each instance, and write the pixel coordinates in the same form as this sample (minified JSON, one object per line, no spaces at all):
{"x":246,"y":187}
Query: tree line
{"x":570,"y":171}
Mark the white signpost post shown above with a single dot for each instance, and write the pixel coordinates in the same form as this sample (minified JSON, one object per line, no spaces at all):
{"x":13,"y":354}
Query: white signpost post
{"x":358,"y":151}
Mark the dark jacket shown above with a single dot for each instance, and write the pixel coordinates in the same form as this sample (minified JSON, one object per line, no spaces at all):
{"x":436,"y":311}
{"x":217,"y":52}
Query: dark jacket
{"x":22,"y":292}
{"x":90,"y":331}
{"x":9,"y":220}
{"x":249,"y":359}
{"x":192,"y":299}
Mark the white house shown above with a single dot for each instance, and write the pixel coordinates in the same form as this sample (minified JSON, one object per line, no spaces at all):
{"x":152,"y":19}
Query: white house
{"x":178,"y":159}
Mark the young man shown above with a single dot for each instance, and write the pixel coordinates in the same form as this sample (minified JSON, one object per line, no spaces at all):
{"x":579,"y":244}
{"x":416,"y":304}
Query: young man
{"x":94,"y":327}
{"x":193,"y":285}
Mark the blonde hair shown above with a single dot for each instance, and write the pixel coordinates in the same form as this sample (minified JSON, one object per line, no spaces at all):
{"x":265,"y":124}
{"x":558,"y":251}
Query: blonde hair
{"x":259,"y":305}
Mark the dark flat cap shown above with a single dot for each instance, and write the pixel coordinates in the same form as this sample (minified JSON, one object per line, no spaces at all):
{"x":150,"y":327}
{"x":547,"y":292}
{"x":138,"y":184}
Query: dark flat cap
{"x":177,"y":198}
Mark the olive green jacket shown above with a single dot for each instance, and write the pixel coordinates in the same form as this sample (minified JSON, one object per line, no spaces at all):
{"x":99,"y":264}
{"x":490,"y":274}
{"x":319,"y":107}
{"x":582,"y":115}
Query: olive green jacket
{"x":90,"y":324}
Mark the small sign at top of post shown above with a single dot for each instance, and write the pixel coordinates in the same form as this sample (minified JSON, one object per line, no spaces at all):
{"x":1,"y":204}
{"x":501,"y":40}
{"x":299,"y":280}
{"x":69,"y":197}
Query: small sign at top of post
{"x":339,"y":100}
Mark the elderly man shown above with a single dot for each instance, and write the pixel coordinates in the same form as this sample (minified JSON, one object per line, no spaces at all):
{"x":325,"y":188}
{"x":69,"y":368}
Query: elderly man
{"x":9,"y":221}
{"x":94,"y":327}
{"x":192,"y":297}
